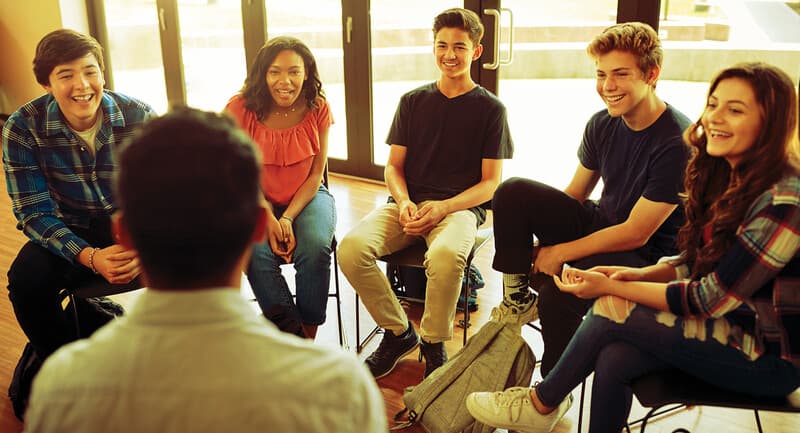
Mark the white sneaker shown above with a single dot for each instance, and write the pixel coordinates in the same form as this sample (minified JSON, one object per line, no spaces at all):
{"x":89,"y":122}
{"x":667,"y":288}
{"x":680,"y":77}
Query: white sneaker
{"x":516,"y":316}
{"x":513,"y":409}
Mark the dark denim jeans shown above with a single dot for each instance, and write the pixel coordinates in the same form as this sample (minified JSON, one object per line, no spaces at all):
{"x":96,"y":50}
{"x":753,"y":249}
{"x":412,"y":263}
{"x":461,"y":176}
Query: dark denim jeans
{"x":314,"y":230}
{"x":648,"y":340}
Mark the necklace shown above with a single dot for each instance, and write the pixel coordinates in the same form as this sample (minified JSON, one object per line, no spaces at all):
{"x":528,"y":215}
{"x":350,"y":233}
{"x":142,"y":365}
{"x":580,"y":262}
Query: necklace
{"x":284,"y":113}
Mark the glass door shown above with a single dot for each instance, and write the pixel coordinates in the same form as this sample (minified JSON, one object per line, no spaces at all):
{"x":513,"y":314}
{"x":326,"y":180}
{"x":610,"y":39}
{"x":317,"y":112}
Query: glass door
{"x":549,"y":86}
{"x":133,"y":51}
{"x":213,"y":54}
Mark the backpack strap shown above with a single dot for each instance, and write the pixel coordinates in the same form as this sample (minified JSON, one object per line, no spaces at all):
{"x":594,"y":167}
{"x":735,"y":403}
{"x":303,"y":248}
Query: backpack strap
{"x":442,"y":377}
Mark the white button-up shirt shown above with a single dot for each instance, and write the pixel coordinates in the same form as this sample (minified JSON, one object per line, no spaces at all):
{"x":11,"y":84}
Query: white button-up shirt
{"x":201,"y":361}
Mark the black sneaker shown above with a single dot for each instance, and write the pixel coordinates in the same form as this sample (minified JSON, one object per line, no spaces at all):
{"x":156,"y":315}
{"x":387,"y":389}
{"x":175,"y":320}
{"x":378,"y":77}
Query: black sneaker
{"x":392,"y":349}
{"x":434,"y":354}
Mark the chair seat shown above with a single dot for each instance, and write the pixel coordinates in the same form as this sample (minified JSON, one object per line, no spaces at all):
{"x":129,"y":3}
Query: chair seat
{"x":674,"y":386}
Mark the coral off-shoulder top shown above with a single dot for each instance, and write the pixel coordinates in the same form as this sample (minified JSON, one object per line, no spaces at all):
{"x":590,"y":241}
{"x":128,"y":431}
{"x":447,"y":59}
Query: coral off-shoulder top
{"x":287,"y":153}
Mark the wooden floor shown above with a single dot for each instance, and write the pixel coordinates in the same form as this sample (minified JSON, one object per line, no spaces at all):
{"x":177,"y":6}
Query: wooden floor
{"x":354,"y":198}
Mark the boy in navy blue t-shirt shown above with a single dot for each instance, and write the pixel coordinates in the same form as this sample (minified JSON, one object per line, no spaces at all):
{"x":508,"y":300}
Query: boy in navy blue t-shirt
{"x":635,"y":146}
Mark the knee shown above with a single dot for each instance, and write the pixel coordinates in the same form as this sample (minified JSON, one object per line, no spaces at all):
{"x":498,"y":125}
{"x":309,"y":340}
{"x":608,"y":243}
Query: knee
{"x":613,"y":308}
{"x":442,"y":260}
{"x":508,"y":193}
{"x":353,"y":251}
{"x":313,"y":255}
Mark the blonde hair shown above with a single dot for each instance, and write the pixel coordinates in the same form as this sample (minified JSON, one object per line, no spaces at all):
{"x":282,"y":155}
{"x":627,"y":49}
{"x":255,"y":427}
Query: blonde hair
{"x":636,"y":38}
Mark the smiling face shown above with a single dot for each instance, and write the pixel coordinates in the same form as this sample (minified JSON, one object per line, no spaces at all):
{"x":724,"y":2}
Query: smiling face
{"x":77,"y":87}
{"x":732,"y":120}
{"x":285,"y":78}
{"x":623,"y":86}
{"x":454,"y":52}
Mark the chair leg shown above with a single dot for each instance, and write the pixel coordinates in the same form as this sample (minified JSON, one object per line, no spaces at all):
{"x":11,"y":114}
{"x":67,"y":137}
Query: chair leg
{"x":758,"y":421}
{"x":74,"y":308}
{"x":375,"y":331}
{"x":580,"y":406}
{"x":465,"y":292}
{"x":337,"y":295}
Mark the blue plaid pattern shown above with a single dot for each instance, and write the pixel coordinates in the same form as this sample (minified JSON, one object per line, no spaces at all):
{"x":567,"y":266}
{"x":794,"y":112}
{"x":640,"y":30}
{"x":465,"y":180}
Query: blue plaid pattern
{"x":55,"y":182}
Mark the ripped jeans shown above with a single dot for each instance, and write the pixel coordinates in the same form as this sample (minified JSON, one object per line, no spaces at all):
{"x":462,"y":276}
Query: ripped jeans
{"x":620,"y":341}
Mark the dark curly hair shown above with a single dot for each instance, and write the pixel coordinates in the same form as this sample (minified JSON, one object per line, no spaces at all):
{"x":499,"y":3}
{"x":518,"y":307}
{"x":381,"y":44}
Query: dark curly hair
{"x":718,"y":195}
{"x":255,"y":91}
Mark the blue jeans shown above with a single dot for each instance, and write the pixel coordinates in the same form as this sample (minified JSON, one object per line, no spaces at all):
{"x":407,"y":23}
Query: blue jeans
{"x":313,"y":229}
{"x":648,"y":340}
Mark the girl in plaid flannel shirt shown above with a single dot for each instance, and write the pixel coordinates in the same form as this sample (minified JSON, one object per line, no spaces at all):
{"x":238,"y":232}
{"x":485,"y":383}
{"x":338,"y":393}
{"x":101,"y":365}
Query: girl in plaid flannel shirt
{"x":728,"y":306}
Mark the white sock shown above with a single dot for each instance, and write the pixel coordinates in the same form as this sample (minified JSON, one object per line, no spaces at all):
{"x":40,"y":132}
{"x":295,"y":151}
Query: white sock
{"x":515,"y":291}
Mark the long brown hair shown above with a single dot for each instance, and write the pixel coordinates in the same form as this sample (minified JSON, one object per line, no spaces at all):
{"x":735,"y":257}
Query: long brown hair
{"x":255,"y":92}
{"x":718,"y":195}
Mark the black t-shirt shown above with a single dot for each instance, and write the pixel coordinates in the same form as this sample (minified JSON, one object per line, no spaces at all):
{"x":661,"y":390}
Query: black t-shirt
{"x":649,"y":163}
{"x":446,"y":139}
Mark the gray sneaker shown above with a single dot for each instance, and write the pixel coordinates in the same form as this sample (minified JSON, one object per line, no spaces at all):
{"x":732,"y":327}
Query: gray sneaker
{"x":391,"y":350}
{"x":516,"y":316}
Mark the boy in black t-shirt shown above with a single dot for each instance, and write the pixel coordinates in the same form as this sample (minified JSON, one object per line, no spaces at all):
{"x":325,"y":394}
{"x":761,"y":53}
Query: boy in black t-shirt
{"x":635,"y":146}
{"x":448,"y":140}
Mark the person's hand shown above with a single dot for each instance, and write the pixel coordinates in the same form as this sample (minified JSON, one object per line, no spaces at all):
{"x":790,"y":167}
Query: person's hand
{"x":621,"y":273}
{"x":408,"y":210}
{"x":583,"y":284}
{"x":426,"y":218}
{"x":275,"y":237}
{"x":549,"y":260}
{"x":117,"y":264}
{"x":289,"y":241}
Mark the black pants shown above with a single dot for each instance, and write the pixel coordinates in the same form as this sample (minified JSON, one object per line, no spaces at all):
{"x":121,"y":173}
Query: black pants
{"x":36,"y":278}
{"x":524,"y":208}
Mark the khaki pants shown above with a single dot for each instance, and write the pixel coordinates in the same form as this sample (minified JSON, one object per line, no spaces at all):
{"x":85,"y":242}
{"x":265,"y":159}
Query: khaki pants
{"x":379,"y":234}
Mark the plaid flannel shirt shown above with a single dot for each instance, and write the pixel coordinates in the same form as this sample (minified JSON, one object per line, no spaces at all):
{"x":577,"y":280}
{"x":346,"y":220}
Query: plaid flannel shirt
{"x":756,"y":285}
{"x":55,"y":182}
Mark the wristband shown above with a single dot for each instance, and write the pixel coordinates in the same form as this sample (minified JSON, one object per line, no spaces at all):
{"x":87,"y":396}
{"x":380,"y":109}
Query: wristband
{"x":288,"y":218}
{"x":91,"y":260}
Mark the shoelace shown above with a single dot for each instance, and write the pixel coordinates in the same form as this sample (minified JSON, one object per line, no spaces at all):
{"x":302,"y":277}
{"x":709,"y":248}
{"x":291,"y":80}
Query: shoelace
{"x":514,"y":400}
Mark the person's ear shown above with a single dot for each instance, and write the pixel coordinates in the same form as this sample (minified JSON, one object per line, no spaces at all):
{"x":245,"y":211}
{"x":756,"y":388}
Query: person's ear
{"x":120,"y":231}
{"x":652,"y":75}
{"x":478,"y":52}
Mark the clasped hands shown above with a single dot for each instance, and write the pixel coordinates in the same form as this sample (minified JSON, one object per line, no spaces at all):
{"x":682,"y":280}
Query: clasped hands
{"x":280,"y":236}
{"x":419,"y":221}
{"x":117,"y":264}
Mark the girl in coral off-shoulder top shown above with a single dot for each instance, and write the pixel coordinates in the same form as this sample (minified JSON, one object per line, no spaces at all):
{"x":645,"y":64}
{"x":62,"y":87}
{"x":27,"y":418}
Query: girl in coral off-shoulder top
{"x":283,"y":108}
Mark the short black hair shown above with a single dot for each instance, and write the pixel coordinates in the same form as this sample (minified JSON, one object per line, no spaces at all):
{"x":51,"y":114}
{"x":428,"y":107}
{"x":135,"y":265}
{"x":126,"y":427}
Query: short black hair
{"x":188,"y":185}
{"x":63,"y":46}
{"x":463,"y":19}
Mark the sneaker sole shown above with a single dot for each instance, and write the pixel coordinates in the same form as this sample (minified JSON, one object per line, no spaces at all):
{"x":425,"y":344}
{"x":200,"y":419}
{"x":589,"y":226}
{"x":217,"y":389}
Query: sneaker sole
{"x":406,"y":353}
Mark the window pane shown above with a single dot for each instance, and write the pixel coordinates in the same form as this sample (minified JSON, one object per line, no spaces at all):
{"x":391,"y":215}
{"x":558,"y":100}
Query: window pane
{"x":135,"y":51}
{"x":549,"y":87}
{"x":212,"y":45}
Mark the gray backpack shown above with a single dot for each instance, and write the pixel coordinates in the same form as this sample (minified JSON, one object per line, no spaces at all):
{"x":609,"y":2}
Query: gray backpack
{"x":495,"y":358}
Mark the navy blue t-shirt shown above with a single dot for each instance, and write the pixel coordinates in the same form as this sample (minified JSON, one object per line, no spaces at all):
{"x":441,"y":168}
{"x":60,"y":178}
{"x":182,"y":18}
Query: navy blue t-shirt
{"x":650,"y":163}
{"x":446,"y":140}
